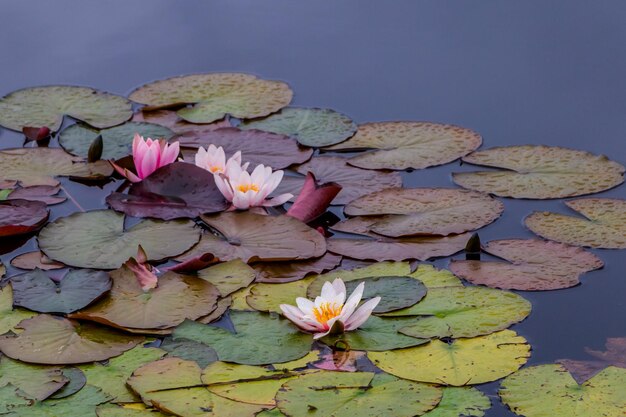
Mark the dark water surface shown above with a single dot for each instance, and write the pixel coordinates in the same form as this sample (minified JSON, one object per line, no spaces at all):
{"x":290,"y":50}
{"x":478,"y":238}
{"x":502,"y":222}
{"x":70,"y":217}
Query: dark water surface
{"x":531,"y":72}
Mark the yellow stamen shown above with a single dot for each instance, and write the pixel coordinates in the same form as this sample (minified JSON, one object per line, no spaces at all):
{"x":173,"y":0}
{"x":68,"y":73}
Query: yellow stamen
{"x":247,"y":187}
{"x":215,"y":169}
{"x":327,"y":311}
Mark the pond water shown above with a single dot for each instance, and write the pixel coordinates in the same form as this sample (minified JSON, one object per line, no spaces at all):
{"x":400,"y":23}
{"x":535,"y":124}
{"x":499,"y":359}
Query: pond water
{"x":532,"y":72}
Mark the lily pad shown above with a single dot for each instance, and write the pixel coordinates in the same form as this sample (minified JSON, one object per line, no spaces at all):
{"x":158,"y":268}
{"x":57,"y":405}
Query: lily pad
{"x":604,"y":225}
{"x":111,"y":377}
{"x":37,"y":382}
{"x":260,"y":339}
{"x":173,"y":191}
{"x":46,"y":106}
{"x":175,"y":299}
{"x":400,"y":212}
{"x":615,"y":355}
{"x":355,"y":182}
{"x":77,"y":381}
{"x":283,"y":272}
{"x":39,"y":166}
{"x":341,"y":394}
{"x":461,"y":402}
{"x":189,"y":350}
{"x":396,"y":292}
{"x":35,"y":259}
{"x":10,"y":317}
{"x":257,"y":147}
{"x":310,"y":126}
{"x":268,"y":297}
{"x":97,"y":239}
{"x":549,"y":390}
{"x":110,"y":410}
{"x":228,"y":277}
{"x":215,"y":95}
{"x":170,"y":120}
{"x":78,"y":288}
{"x":56,"y":341}
{"x":464,"y":312}
{"x":117,"y":140}
{"x":223,"y":304}
{"x":461,"y":362}
{"x":540,"y":172}
{"x":18,"y":217}
{"x":83,"y":404}
{"x":402,"y":145}
{"x":254,"y":237}
{"x":43,"y":193}
{"x":11,"y":397}
{"x":386,"y":249}
{"x":533,"y":265}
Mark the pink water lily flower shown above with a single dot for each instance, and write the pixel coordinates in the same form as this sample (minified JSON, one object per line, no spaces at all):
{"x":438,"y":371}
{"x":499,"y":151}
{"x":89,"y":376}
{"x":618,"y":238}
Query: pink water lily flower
{"x":213,"y":159}
{"x":148,"y":156}
{"x":330,"y":310}
{"x":144,"y":272}
{"x":247,"y":190}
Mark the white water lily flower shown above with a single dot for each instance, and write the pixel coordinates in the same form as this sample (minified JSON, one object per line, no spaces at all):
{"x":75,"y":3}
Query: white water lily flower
{"x":330,"y":307}
{"x":213,"y":159}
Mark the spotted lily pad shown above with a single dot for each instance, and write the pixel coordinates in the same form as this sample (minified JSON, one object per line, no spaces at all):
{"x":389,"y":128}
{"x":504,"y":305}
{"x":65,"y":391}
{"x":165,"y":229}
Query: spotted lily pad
{"x":175,"y":299}
{"x":78,"y":288}
{"x":83,"y":404}
{"x":399,"y":212}
{"x":37,"y":382}
{"x":189,"y":350}
{"x":533,"y":264}
{"x":39,"y":166}
{"x":461,"y":362}
{"x":110,"y":410}
{"x":282,"y":272}
{"x":228,"y":277}
{"x":97,"y":239}
{"x":257,"y":147}
{"x":56,"y":341}
{"x":10,"y":317}
{"x":254,"y":237}
{"x":540,"y":172}
{"x":46,"y":106}
{"x":464,"y":312}
{"x":603,"y":227}
{"x":18,"y":217}
{"x":310,"y":126}
{"x":402,"y":145}
{"x":461,"y":402}
{"x":268,"y":297}
{"x":549,"y":390}
{"x":117,"y":141}
{"x":173,"y":191}
{"x":215,"y":96}
{"x":260,"y":339}
{"x":340,"y":394}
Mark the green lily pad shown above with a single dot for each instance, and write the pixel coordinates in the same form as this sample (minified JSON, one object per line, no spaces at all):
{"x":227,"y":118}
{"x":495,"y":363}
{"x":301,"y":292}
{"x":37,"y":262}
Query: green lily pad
{"x":97,"y":239}
{"x":111,"y":377}
{"x":189,"y":350}
{"x":549,"y":390}
{"x":117,"y":141}
{"x":10,"y":317}
{"x":274,"y":412}
{"x":215,"y":96}
{"x":223,"y":304}
{"x":77,"y":381}
{"x":342,"y":394}
{"x":464,"y":312}
{"x":39,"y":166}
{"x":78,"y":288}
{"x":11,"y":397}
{"x":35,"y":381}
{"x":260,"y":339}
{"x":461,"y":362}
{"x":110,"y":410}
{"x":461,"y":402}
{"x":269,"y":297}
{"x":46,"y":106}
{"x":169,"y":119}
{"x":310,"y":126}
{"x":228,"y":277}
{"x":56,"y":341}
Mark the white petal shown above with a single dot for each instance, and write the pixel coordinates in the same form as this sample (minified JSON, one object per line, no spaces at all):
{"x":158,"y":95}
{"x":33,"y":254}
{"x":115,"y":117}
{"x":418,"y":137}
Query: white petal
{"x":295,"y":315}
{"x":362,"y":314}
{"x":328,"y":291}
{"x":353,"y":302}
{"x":305,"y":305}
{"x":278,"y":200}
{"x":340,"y":287}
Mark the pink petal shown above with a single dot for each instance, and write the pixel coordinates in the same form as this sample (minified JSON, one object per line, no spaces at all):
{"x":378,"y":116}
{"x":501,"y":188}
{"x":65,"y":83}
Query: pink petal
{"x":170,"y":154}
{"x":145,"y":277}
{"x":224,"y":186}
{"x":362,"y":314}
{"x":241,"y":201}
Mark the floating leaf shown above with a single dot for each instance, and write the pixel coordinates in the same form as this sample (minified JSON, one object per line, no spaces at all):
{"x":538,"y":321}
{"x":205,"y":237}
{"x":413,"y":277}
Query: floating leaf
{"x":615,"y":355}
{"x":313,"y":199}
{"x":37,"y":382}
{"x":257,"y":147}
{"x":189,"y":350}
{"x":533,"y":265}
{"x":228,"y":277}
{"x":117,"y":141}
{"x":57,"y":341}
{"x":282,"y":272}
{"x":46,"y":106}
{"x":254,"y":237}
{"x":341,"y":394}
{"x":400,"y":212}
{"x":540,"y":172}
{"x":355,"y":182}
{"x":223,"y":304}
{"x":83,"y":404}
{"x":461,"y":402}
{"x":461,"y":362}
{"x":11,"y":397}
{"x":604,"y":225}
{"x":77,"y":381}
{"x":39,"y":166}
{"x":387,"y":249}
{"x":111,"y":377}
{"x":97,"y":239}
{"x":18,"y":217}
{"x":10,"y":317}
{"x":173,"y":191}
{"x":269,"y":297}
{"x":78,"y":288}
{"x":303,"y":362}
{"x":35,"y":259}
{"x":260,"y":339}
{"x":310,"y":126}
{"x":43,"y":193}
{"x":464,"y":312}
{"x":402,"y":145}
{"x":175,"y":299}
{"x":169,"y":119}
{"x":111,"y":410}
{"x":549,"y":390}
{"x":215,"y":96}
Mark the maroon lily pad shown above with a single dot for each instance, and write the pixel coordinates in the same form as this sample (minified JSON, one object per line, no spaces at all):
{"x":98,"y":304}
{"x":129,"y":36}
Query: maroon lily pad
{"x":173,"y":191}
{"x":43,"y":193}
{"x":21,"y":216}
{"x":36,"y":259}
{"x":194,"y":264}
{"x":281,"y":272}
{"x":313,"y":199}
{"x":171,"y":120}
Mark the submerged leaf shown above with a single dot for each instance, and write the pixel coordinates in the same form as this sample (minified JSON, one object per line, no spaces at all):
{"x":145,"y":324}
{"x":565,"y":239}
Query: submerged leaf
{"x":615,"y":355}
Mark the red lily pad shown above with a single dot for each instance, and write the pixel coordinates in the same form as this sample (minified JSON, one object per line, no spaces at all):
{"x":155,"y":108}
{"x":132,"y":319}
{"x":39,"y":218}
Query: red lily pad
{"x":21,"y":216}
{"x":174,"y":191}
{"x":281,"y":272}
